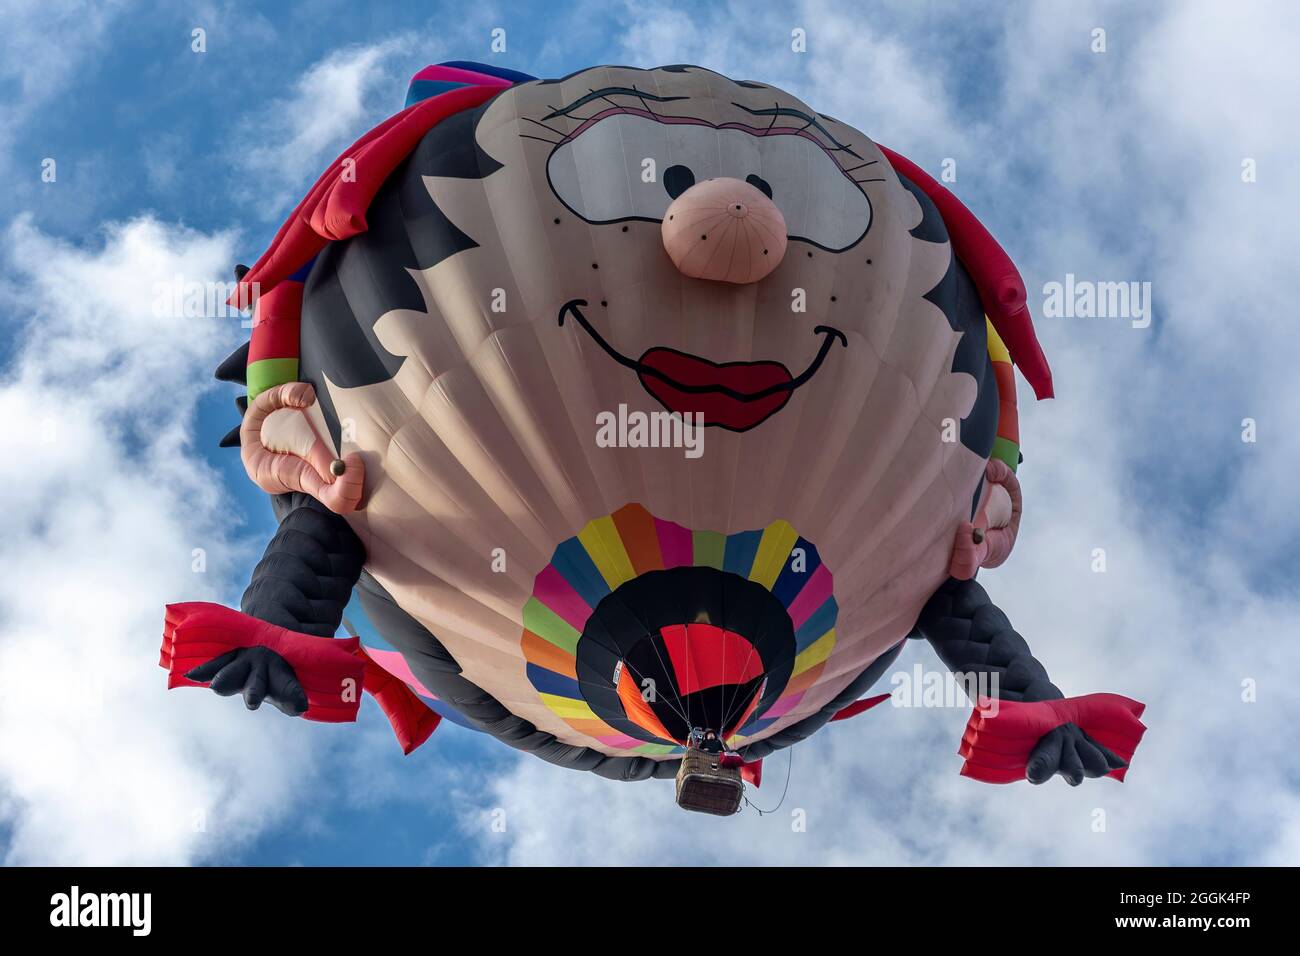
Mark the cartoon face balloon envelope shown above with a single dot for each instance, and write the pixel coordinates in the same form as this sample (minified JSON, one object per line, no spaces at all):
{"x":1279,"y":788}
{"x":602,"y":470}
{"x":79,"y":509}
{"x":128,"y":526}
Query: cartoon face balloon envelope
{"x":632,"y":404}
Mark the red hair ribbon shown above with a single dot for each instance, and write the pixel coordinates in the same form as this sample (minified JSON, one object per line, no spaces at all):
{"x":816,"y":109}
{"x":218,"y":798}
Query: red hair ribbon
{"x":1001,"y":289}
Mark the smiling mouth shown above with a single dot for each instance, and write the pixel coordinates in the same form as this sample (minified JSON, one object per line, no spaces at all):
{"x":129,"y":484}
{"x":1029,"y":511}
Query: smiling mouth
{"x":731,"y":395}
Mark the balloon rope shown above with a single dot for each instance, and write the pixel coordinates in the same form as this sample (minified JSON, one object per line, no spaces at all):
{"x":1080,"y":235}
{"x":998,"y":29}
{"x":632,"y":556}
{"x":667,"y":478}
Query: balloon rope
{"x":766,"y":673}
{"x":784,"y":790}
{"x":663,"y":665}
{"x":731,"y":704}
{"x":668,"y":700}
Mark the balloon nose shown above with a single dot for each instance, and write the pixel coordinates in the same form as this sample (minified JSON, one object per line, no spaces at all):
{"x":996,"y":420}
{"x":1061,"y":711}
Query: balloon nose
{"x":725,"y":230}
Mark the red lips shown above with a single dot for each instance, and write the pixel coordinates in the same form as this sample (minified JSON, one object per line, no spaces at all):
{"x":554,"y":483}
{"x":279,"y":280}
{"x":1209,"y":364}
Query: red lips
{"x":734,"y":408}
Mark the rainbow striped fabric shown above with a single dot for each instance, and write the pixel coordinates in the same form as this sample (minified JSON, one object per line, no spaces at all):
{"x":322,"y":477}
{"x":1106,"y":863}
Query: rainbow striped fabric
{"x":630,"y":542}
{"x":1007,"y":444}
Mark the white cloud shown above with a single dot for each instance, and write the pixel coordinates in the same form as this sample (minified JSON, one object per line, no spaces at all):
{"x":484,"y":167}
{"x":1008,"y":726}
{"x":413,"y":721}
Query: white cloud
{"x":41,"y":45}
{"x":852,"y":68}
{"x":286,"y":145}
{"x":105,"y":501}
{"x":282,"y":146}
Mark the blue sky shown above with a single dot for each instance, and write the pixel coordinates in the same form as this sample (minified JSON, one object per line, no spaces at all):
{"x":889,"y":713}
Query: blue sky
{"x":1122,"y":165}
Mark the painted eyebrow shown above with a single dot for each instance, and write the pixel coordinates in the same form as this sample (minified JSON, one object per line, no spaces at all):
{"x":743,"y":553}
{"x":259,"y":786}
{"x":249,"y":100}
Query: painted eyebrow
{"x":610,"y":91}
{"x":776,"y":111}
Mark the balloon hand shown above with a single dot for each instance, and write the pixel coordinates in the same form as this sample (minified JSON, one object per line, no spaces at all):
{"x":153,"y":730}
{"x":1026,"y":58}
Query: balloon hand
{"x":1069,"y":751}
{"x":258,"y":673}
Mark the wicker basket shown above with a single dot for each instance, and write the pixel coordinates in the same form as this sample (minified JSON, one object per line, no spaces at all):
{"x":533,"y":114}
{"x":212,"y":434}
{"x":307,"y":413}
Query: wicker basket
{"x":705,"y":786}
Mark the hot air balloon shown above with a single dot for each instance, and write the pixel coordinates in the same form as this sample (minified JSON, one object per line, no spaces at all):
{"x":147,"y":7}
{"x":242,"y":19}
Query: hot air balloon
{"x":620,"y":409}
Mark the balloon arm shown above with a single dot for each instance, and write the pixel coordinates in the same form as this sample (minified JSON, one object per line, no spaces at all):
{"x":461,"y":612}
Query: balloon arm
{"x":1022,"y":727}
{"x":281,"y":648}
{"x":207,"y":645}
{"x":304,"y":583}
{"x":306,"y":576}
{"x":975,"y":639}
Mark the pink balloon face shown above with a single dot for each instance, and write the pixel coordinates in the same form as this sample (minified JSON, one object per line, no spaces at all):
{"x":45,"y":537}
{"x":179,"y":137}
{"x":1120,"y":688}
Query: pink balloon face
{"x":736,"y":179}
{"x":600,"y":262}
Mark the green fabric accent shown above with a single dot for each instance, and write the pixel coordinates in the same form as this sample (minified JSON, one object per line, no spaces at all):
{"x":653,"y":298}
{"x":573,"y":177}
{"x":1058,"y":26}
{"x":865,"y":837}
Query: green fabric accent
{"x":549,"y":626}
{"x":710,"y":549}
{"x":1007,"y":451}
{"x":268,"y":373}
{"x":655,"y":749}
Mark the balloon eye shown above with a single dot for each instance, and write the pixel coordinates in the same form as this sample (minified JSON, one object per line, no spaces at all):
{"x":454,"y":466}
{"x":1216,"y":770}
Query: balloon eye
{"x":760,"y":184}
{"x":678,"y":179}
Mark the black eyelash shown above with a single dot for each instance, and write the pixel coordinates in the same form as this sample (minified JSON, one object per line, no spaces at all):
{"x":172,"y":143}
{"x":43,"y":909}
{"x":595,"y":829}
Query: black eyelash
{"x":812,"y":121}
{"x":592,"y":96}
{"x":549,"y":129}
{"x":774,"y":112}
{"x":644,"y":104}
{"x":610,"y":91}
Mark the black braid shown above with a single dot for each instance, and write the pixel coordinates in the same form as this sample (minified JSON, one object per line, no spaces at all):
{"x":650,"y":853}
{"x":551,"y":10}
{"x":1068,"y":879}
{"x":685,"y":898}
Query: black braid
{"x":971,"y":635}
{"x":305,"y":578}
